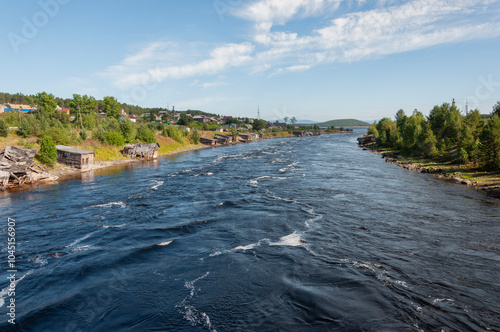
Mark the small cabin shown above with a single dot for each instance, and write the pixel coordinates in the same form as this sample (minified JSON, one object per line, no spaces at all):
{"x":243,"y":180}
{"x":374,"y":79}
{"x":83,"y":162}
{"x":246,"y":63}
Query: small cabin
{"x":207,"y":140}
{"x":142,"y":150}
{"x":74,"y":157}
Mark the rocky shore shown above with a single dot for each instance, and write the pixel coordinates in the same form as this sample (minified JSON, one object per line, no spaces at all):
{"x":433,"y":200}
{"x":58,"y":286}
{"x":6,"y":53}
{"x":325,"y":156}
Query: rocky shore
{"x":489,"y":188}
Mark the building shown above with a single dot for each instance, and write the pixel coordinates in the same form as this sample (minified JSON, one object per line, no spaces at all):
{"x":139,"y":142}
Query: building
{"x":74,"y":157}
{"x":16,"y":107}
{"x":208,"y":141}
{"x":142,"y":150}
{"x":132,"y":118}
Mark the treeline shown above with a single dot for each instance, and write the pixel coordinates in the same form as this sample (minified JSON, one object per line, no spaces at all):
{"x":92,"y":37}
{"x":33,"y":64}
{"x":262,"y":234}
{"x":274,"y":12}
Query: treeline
{"x":445,"y":134}
{"x":88,"y":125}
{"x":19,"y":98}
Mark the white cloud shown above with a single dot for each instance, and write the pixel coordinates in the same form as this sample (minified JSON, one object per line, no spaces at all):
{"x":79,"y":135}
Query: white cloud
{"x":275,"y":46}
{"x":132,"y":70}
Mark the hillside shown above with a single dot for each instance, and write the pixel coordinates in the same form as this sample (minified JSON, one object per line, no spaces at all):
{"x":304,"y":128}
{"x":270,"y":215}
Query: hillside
{"x":343,"y":123}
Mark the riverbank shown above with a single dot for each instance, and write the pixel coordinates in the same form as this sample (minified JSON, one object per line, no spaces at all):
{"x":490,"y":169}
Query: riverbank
{"x":469,"y":175}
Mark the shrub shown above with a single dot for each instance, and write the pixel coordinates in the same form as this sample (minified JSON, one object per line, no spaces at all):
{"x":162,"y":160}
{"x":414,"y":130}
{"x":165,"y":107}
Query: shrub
{"x":83,"y":134}
{"x":128,"y":130}
{"x":48,"y":153}
{"x":4,"y":128}
{"x":58,"y":135}
{"x":195,"y":137}
{"x":25,"y":129}
{"x":173,"y":133}
{"x":113,"y":138}
{"x":144,"y":134}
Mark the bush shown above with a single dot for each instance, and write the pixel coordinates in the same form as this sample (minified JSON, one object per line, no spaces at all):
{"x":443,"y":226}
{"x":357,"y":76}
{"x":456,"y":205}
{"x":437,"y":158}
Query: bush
{"x":48,"y":153}
{"x":144,"y":134}
{"x":25,"y":129}
{"x":128,"y":130}
{"x":4,"y":128}
{"x":195,"y":137}
{"x":113,"y":138}
{"x":83,"y":134}
{"x":174,"y":133}
{"x":58,"y":135}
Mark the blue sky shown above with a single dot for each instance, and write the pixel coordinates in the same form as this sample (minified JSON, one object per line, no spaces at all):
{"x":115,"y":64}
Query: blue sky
{"x":312,"y":59}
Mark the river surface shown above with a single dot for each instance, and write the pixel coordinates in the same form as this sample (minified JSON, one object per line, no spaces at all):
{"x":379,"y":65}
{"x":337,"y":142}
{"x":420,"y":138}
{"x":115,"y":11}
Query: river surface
{"x":295,"y":234}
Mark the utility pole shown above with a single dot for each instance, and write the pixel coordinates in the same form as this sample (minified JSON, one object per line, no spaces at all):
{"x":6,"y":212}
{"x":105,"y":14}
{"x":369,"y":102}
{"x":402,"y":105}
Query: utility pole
{"x":466,"y":107}
{"x":258,"y":112}
{"x":19,"y":113}
{"x":80,"y":114}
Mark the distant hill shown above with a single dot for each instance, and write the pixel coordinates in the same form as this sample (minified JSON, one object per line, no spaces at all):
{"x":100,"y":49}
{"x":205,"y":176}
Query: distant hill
{"x":343,"y":123}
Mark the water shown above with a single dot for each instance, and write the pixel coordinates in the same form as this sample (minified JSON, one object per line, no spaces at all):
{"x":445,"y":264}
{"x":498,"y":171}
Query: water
{"x":296,"y":234}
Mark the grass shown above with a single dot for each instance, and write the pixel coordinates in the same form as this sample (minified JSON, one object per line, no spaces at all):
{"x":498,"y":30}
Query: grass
{"x":469,"y":171}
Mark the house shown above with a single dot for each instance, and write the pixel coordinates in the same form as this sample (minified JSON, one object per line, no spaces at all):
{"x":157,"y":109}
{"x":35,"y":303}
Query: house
{"x":142,"y":150}
{"x":74,"y":157}
{"x":208,"y":141}
{"x":65,"y":110}
{"x":201,"y":118}
{"x":132,"y":118}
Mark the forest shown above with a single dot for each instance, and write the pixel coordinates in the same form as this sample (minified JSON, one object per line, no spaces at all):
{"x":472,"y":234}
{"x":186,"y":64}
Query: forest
{"x":445,"y":135}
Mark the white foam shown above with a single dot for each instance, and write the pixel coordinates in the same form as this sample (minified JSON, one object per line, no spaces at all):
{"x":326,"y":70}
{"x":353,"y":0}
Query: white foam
{"x":74,"y":243}
{"x":292,"y":240}
{"x":157,"y":185}
{"x":217,"y":253}
{"x":110,"y":204}
{"x":165,"y":243}
{"x":112,"y":226}
{"x":191,"y":314}
{"x":247,"y":247}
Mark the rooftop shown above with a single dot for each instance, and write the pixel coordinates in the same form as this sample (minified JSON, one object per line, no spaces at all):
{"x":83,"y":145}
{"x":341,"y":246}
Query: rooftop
{"x":72,"y":150}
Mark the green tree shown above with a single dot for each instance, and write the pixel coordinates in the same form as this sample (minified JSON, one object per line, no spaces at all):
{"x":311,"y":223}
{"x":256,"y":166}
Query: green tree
{"x":25,"y":129}
{"x":144,"y":134}
{"x":44,"y":102}
{"x":490,"y":143}
{"x":184,"y":120}
{"x":128,"y":130}
{"x":80,"y":105}
{"x":475,"y":122}
{"x":372,"y":129}
{"x":48,"y":153}
{"x":111,"y":107}
{"x":496,"y":108}
{"x":259,"y":124}
{"x":195,"y":137}
{"x":4,"y":128}
{"x":113,"y":138}
{"x":412,"y":132}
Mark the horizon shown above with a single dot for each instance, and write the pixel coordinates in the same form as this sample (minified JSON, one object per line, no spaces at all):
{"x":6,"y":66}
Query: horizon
{"x":313,"y":60}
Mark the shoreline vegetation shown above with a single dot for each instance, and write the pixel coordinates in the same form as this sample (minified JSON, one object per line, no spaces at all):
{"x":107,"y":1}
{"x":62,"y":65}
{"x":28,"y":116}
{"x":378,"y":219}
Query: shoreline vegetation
{"x":38,"y":123}
{"x":458,"y":148}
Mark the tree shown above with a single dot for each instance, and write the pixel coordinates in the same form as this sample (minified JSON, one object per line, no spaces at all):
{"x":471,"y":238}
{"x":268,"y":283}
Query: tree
{"x":48,"y":153}
{"x":490,"y":143}
{"x":195,"y":137}
{"x":293,"y":120}
{"x":4,"y":128}
{"x":82,"y":105}
{"x":144,"y":134}
{"x":128,"y":130}
{"x":259,"y":124}
{"x":286,"y":119}
{"x":113,"y":138}
{"x":111,"y":107}
{"x":45,"y":103}
{"x":496,"y":108}
{"x":184,"y":120}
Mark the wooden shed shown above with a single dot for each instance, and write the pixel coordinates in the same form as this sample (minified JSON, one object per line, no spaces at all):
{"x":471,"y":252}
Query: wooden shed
{"x":74,"y":157}
{"x":142,"y":150}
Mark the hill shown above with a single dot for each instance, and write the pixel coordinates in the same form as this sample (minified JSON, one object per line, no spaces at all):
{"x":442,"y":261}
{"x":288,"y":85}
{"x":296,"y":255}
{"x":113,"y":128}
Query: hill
{"x":343,"y":123}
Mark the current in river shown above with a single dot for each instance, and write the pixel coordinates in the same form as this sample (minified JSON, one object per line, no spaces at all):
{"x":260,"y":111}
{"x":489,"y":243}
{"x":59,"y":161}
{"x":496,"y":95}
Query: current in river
{"x":292,"y":234}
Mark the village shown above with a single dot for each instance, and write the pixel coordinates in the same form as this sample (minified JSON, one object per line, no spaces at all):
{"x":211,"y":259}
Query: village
{"x":18,"y":166}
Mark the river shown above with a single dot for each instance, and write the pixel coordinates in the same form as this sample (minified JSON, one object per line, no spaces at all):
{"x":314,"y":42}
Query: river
{"x":293,"y":234}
